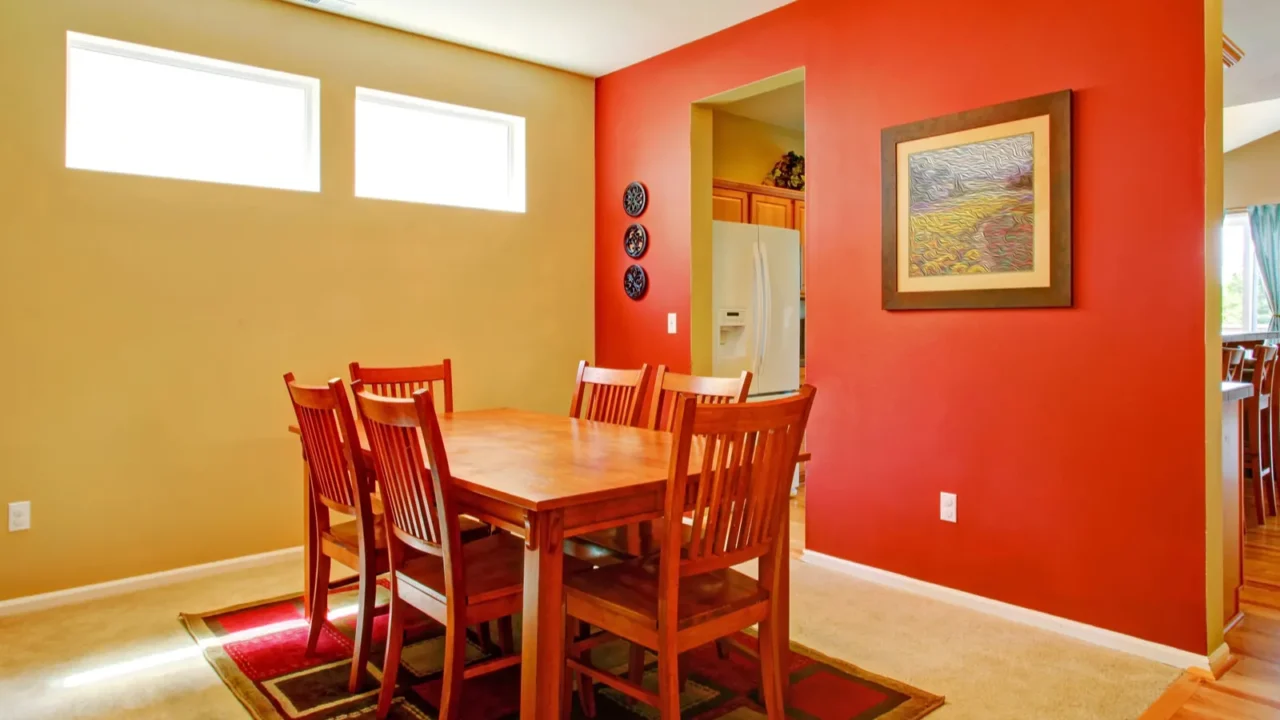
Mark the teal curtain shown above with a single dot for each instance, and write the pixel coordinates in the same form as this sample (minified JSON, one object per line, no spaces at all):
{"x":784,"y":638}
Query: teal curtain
{"x":1264,"y":224}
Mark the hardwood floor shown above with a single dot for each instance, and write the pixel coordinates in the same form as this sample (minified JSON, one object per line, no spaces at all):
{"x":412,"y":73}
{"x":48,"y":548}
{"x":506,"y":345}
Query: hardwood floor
{"x":1251,"y":688}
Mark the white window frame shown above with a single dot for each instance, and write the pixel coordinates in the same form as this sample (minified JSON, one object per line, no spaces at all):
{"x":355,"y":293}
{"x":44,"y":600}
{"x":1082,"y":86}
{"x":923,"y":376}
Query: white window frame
{"x":516,"y":200}
{"x":1249,"y":301}
{"x":309,"y":86}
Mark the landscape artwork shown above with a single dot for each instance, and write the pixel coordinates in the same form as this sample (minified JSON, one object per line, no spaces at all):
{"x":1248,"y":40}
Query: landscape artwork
{"x":976,"y":208}
{"x":973,"y":208}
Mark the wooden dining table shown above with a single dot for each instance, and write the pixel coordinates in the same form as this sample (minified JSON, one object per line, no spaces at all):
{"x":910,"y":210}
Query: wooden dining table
{"x":548,"y":477}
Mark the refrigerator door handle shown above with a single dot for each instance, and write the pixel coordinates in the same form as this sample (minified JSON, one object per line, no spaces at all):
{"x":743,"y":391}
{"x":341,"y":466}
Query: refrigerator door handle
{"x":757,"y":279}
{"x":766,"y":320}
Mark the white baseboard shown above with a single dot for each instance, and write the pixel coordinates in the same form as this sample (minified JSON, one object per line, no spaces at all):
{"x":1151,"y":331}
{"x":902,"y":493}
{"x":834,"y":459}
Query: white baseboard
{"x":1088,"y":633}
{"x":44,"y":601}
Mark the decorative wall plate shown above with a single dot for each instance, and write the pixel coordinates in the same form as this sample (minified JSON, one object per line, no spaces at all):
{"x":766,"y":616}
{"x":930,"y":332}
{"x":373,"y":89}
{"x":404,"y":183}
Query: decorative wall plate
{"x":635,"y":282}
{"x":636,"y":240}
{"x":635,"y":199}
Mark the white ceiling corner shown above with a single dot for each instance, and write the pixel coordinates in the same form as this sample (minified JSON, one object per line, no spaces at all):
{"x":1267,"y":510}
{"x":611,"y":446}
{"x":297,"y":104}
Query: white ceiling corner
{"x":1251,"y":87}
{"x":589,"y":37}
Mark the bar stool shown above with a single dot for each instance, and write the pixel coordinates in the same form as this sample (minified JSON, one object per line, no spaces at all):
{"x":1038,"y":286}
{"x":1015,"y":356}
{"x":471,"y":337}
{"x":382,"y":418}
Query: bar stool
{"x":1259,"y":434}
{"x":1232,"y":360}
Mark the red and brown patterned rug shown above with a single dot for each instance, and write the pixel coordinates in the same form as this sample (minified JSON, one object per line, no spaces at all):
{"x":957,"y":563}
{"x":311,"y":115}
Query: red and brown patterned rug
{"x":258,"y":650}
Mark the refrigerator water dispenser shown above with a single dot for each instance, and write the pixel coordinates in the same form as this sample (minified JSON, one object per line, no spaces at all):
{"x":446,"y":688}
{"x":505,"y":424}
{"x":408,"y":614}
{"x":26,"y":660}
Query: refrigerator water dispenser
{"x":731,"y":324}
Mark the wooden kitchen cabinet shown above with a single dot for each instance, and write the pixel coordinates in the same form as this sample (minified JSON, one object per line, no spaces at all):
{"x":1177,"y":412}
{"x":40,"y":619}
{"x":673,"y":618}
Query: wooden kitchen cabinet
{"x":730,"y":205}
{"x":772,"y":211}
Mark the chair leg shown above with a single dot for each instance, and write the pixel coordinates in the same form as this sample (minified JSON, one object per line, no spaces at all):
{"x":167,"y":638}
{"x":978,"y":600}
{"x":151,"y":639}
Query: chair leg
{"x":364,"y":622}
{"x":455,"y":657}
{"x":770,"y":672}
{"x":722,"y":648}
{"x":668,"y":682}
{"x":391,"y":665}
{"x":1253,"y":464}
{"x":1268,"y":462}
{"x":586,"y":687}
{"x":506,"y":635}
{"x":319,"y":601}
{"x":485,"y":635}
{"x":635,"y":664}
{"x":566,"y":683}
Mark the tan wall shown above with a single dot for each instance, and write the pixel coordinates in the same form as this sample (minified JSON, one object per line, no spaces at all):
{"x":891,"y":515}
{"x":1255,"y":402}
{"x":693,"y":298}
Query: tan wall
{"x":1251,"y":174}
{"x":146,"y":322}
{"x":745,"y":150}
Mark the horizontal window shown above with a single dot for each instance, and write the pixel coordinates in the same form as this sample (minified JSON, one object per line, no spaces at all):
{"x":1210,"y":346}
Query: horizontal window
{"x":145,"y":111}
{"x":423,"y":151}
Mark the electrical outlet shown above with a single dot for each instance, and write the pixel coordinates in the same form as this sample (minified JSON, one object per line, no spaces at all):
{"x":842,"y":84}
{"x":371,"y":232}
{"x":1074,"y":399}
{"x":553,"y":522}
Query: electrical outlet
{"x":671,"y":323}
{"x":947,"y":507}
{"x":19,"y":516}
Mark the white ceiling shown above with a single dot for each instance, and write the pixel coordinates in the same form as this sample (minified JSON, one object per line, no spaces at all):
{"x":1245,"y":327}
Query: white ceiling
{"x":1251,"y":87}
{"x":590,"y":37}
{"x":783,"y":107}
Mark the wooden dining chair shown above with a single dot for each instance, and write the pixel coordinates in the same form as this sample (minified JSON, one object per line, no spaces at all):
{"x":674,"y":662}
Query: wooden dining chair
{"x":608,"y":395}
{"x":403,"y":382}
{"x":688,"y":594}
{"x":339,"y":481}
{"x":668,"y":389}
{"x":1259,"y":434}
{"x":1232,"y":360}
{"x":456,"y":584}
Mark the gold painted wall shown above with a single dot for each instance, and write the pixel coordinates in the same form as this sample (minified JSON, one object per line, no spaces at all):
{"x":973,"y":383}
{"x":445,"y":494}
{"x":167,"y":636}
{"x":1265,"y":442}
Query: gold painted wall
{"x":146,"y":322}
{"x":1251,"y":174}
{"x":1213,"y":207}
{"x":745,"y":150}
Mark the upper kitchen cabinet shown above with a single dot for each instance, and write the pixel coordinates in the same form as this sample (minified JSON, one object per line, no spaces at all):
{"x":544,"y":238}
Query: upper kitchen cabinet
{"x":730,"y":205}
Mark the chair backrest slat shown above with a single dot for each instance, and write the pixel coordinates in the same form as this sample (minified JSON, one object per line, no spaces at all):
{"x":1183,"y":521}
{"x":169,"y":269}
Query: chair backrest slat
{"x":412,"y":470}
{"x":669,"y":387}
{"x":607,"y":395}
{"x":338,"y":478}
{"x":748,"y":456}
{"x":403,"y":382}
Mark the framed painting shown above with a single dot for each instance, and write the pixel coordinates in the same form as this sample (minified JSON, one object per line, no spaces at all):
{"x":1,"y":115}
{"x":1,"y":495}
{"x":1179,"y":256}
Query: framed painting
{"x":976,"y":208}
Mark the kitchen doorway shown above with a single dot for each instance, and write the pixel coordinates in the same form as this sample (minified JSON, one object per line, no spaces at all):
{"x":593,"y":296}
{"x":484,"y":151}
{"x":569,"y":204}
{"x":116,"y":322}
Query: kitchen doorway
{"x":748,"y":212}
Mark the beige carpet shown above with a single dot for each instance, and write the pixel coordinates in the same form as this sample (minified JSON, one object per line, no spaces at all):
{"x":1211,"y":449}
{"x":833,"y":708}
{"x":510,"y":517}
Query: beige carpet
{"x":988,"y":668}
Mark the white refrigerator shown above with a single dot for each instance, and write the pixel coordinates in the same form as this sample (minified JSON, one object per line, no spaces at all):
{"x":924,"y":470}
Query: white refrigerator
{"x":755,"y":300}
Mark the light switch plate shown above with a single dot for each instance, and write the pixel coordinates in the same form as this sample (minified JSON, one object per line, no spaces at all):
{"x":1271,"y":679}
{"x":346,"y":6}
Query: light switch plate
{"x":19,"y":516}
{"x":671,"y":323}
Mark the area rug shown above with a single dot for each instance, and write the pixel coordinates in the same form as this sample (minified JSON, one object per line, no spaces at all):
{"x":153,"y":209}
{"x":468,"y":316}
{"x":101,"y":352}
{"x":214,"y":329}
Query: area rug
{"x":258,"y":651}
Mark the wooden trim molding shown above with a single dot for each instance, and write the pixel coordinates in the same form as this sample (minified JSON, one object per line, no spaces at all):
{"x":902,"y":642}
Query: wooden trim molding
{"x":1231,"y":52}
{"x":759,"y":189}
{"x":1071,"y":628}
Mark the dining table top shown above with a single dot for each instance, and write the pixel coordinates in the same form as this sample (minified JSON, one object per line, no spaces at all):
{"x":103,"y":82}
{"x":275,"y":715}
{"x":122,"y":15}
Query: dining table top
{"x":539,"y":461}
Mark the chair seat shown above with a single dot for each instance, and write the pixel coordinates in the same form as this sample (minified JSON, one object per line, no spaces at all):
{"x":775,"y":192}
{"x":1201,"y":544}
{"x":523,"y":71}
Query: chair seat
{"x":348,"y":534}
{"x":493,"y":567}
{"x":631,"y":589}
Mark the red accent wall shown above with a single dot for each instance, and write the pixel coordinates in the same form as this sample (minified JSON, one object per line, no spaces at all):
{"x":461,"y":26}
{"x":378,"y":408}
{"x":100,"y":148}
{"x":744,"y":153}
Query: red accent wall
{"x":1074,"y":437}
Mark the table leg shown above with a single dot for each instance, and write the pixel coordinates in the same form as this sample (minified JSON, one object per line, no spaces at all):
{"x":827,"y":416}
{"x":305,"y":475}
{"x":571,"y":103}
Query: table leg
{"x":542,"y":661}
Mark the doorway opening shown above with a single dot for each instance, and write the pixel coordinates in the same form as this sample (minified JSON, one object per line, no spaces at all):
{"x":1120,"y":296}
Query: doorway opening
{"x":748,"y":309}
